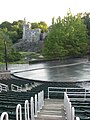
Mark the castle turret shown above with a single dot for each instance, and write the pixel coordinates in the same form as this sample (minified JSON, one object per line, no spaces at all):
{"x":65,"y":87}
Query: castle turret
{"x":32,"y":35}
{"x":24,"y":28}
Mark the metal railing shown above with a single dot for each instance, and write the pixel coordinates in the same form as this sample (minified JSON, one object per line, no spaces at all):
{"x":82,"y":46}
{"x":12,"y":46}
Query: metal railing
{"x":18,"y":112}
{"x":16,"y":88}
{"x":67,"y":90}
{"x":3,"y":87}
{"x":39,"y":102}
{"x":70,"y":111}
{"x":4,"y":116}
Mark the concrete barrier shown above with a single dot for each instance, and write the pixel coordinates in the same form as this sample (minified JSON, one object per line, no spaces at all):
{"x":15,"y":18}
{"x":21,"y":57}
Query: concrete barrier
{"x":4,"y":75}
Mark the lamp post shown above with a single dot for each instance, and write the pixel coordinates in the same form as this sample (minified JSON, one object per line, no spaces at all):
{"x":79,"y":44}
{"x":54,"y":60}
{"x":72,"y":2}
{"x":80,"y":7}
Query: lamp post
{"x":5,"y":47}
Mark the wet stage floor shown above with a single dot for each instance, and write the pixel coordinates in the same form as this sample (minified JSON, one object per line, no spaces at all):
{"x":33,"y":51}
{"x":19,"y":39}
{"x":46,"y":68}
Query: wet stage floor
{"x":57,"y":71}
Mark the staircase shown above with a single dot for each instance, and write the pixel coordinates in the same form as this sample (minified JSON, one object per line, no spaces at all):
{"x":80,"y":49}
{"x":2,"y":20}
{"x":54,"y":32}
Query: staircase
{"x":53,"y":109}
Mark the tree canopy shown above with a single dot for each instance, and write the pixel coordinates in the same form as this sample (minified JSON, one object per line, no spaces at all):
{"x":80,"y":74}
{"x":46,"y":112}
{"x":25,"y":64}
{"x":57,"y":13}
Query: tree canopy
{"x":15,"y":30}
{"x":11,"y":33}
{"x":5,"y":40}
{"x":86,"y":18}
{"x":42,"y":25}
{"x":66,"y":37}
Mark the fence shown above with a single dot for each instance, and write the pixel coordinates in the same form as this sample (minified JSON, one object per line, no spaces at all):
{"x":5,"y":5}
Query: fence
{"x":70,"y":111}
{"x":3,"y":87}
{"x":16,"y":88}
{"x":67,"y":90}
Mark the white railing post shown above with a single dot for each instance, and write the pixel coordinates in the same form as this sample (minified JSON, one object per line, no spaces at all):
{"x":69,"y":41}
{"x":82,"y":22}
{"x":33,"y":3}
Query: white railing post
{"x":42,"y":98}
{"x":73,"y":114}
{"x":38,"y":102}
{"x":77,"y":118}
{"x":64,"y":100}
{"x":32,"y":109}
{"x":67,"y":106}
{"x":18,"y":112}
{"x":26,"y":106}
{"x":48,"y":92}
{"x":66,"y":90}
{"x":4,"y":116}
{"x":35,"y":105}
{"x":69,"y":110}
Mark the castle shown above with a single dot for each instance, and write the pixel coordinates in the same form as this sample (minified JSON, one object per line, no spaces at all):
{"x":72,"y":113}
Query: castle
{"x":32,"y":35}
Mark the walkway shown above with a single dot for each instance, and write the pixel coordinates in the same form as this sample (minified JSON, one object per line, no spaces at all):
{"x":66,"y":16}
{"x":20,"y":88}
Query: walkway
{"x":53,"y":109}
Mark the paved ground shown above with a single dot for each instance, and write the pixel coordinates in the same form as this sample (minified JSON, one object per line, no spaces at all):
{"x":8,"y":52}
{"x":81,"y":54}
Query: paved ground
{"x":52,"y":110}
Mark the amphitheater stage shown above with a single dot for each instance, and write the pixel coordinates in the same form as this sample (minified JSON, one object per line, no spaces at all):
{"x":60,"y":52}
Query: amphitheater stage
{"x":55,"y":71}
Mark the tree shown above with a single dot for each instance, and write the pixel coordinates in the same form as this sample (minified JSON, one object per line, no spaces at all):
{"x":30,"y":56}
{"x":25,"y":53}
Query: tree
{"x":67,"y":37}
{"x":13,"y":30}
{"x":13,"y":55}
{"x":4,"y":38}
{"x":43,"y":26}
{"x":34,"y":25}
{"x":86,"y":18}
{"x":7,"y":25}
{"x":17,"y":30}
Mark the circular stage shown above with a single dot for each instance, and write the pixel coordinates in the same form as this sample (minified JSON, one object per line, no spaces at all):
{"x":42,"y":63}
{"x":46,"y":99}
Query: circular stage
{"x":76,"y":70}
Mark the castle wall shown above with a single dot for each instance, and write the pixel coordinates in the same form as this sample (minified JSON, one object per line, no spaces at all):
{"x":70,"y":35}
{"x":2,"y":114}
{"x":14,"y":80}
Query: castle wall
{"x":32,"y":35}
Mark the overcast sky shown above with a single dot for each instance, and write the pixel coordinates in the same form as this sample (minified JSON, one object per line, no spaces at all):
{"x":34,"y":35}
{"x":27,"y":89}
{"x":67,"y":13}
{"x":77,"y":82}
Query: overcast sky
{"x":40,"y":10}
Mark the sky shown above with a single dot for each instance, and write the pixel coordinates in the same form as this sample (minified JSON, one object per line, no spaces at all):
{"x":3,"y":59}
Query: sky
{"x":40,"y":10}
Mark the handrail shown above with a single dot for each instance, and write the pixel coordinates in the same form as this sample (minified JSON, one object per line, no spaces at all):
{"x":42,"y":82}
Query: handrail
{"x":16,"y":88}
{"x":73,"y":114}
{"x":27,"y":116}
{"x":18,"y":112}
{"x":3,"y":87}
{"x":70,"y":111}
{"x":4,"y":116}
{"x":32,"y":109}
{"x":38,"y":103}
{"x":63,"y":89}
{"x":77,"y":118}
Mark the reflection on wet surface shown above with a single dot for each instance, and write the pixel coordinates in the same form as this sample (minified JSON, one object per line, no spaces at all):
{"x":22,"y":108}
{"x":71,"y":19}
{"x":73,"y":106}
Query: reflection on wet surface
{"x":58,"y":71}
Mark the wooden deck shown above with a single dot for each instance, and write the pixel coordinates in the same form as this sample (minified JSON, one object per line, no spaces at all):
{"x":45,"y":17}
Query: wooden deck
{"x":53,"y":109}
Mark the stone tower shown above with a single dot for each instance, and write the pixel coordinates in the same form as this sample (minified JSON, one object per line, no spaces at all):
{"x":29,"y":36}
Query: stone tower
{"x":32,"y":35}
{"x":26,"y":28}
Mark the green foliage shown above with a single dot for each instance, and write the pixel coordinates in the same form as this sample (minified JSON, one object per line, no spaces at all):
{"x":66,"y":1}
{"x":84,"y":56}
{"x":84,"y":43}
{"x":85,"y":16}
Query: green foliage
{"x":4,"y":38}
{"x":13,"y":56}
{"x":13,"y":30}
{"x":7,"y":25}
{"x":29,"y":55}
{"x":34,"y":25}
{"x":67,"y":37}
{"x":42,"y":25}
{"x":86,"y":18}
